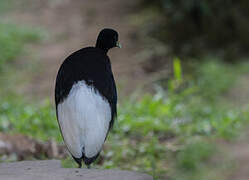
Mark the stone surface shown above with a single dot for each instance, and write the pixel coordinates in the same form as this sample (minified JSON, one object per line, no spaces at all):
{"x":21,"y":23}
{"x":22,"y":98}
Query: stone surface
{"x":52,"y":170}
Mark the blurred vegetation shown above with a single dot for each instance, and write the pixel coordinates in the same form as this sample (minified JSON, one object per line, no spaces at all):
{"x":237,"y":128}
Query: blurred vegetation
{"x":197,"y":28}
{"x":172,"y":133}
{"x":5,"y":6}
{"x":12,"y":40}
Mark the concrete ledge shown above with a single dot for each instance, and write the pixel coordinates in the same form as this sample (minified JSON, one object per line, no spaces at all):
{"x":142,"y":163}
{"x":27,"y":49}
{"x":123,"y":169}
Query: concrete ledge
{"x":52,"y":170}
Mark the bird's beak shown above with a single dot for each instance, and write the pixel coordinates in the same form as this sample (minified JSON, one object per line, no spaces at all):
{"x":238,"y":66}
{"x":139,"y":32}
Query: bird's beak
{"x":118,"y":45}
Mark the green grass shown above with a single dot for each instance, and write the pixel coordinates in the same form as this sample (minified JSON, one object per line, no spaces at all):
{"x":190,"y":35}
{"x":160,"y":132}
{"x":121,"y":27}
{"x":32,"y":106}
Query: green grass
{"x":36,"y":121}
{"x":12,"y":41}
{"x":172,"y":132}
{"x":5,"y":5}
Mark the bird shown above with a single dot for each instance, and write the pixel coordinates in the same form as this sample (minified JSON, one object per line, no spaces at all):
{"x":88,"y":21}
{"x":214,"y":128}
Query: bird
{"x":86,"y":98}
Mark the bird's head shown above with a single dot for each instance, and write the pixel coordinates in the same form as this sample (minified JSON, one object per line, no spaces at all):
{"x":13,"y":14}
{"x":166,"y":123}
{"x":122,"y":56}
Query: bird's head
{"x":107,"y":39}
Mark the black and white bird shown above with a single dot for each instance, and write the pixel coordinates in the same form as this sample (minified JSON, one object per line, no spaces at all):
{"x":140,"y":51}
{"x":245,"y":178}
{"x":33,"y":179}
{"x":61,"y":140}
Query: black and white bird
{"x":86,"y":98}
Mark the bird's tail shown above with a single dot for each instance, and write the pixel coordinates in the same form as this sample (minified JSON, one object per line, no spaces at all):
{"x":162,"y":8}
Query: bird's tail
{"x":78,"y":160}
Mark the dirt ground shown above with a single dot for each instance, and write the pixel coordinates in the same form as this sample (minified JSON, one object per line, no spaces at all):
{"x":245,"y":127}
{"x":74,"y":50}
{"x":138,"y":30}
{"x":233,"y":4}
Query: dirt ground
{"x":73,"y":24}
{"x":51,"y":170}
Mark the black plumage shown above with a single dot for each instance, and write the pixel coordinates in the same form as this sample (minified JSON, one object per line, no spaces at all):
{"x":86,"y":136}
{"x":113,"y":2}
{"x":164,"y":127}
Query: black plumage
{"x":92,"y":65}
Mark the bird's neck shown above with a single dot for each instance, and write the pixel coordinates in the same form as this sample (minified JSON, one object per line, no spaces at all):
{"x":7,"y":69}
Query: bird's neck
{"x":101,"y":46}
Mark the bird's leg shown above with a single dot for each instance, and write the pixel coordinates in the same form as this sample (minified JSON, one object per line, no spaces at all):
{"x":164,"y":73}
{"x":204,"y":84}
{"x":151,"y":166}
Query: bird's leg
{"x":88,"y":166}
{"x":80,"y":165}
